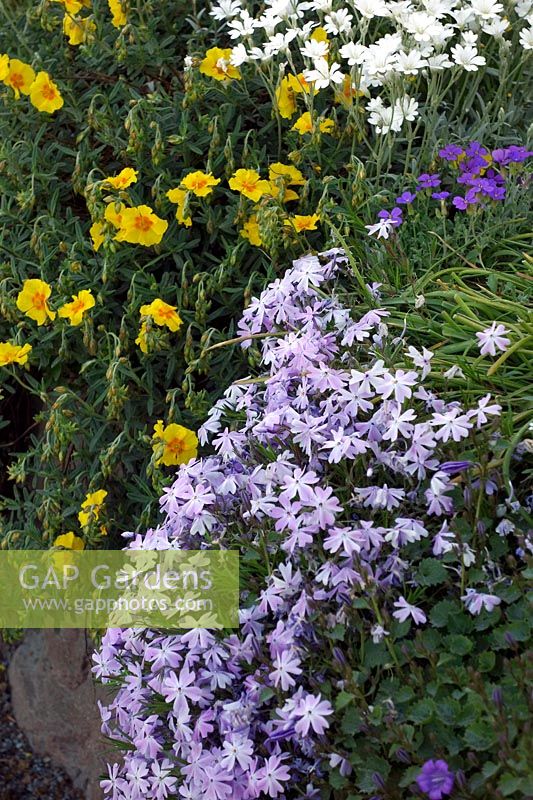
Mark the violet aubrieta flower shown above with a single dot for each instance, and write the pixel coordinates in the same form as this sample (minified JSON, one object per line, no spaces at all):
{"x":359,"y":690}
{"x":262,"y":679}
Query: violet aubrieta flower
{"x":436,"y":779}
{"x":451,"y":152}
{"x":428,"y":181}
{"x":492,"y":339}
{"x":406,"y":198}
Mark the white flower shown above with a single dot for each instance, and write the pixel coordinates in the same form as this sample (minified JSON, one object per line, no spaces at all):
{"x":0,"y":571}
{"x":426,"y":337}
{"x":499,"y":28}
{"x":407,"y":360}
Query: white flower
{"x":496,"y":28}
{"x":486,"y":9}
{"x":469,"y":37}
{"x":423,"y":26}
{"x":338,"y":22}
{"x":382,"y":228}
{"x":524,"y":7}
{"x":410,"y":63}
{"x":188,"y":62}
{"x":314,"y":50}
{"x":353,"y":53}
{"x":440,"y":61}
{"x":526,"y":38}
{"x":454,"y":372}
{"x":467,"y":57}
{"x":268,"y":22}
{"x":279,"y":43}
{"x":407,"y":108}
{"x":226,"y":9}
{"x":244,"y":26}
{"x":439,"y":8}
{"x":371,"y":8}
{"x":324,"y":74}
{"x":239,"y":55}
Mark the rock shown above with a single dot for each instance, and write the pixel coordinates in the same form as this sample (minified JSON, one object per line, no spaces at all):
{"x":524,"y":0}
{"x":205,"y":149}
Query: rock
{"x":55,"y":704}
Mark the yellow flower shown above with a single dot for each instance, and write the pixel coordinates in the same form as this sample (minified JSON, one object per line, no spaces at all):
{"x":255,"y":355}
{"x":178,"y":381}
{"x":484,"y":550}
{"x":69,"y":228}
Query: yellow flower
{"x":162,"y":314}
{"x":4,"y":66}
{"x":320,"y":35}
{"x":32,"y":301}
{"x":119,"y":18}
{"x":347,"y":91}
{"x":286,"y":173}
{"x":19,"y":77}
{"x":142,"y":339}
{"x":77,"y":29}
{"x":216,"y":64}
{"x":75,"y":310}
{"x":73,"y":6}
{"x":139,"y":225}
{"x":285,"y":100}
{"x":13,"y":353}
{"x":90,"y":508}
{"x":173,"y":444}
{"x":250,"y":231}
{"x":286,"y":194}
{"x":248,"y":182}
{"x":96,"y":232}
{"x":298,"y":83}
{"x":70,"y":541}
{"x":200,"y":183}
{"x":44,"y":94}
{"x":304,"y":124}
{"x":303,"y":223}
{"x":178,"y":196}
{"x":113,"y":213}
{"x":125,"y":178}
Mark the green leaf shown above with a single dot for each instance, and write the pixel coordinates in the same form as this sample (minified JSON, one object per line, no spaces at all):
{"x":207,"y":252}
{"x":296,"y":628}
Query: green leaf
{"x":343,"y":699}
{"x":480,"y":736}
{"x":459,"y":645}
{"x":509,"y":784}
{"x":431,"y":572}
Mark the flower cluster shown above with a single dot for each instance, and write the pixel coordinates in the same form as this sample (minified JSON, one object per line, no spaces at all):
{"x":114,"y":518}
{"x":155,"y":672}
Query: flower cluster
{"x":394,"y":47}
{"x":80,"y":29}
{"x":43,"y":93}
{"x":481,"y":175}
{"x":340,"y":472}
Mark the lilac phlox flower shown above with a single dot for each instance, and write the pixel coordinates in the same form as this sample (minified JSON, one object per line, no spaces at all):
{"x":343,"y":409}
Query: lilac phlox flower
{"x":484,"y":410}
{"x":180,"y":687}
{"x":380,"y":496}
{"x":475,"y":601}
{"x":325,"y":506}
{"x":436,"y":497}
{"x":436,"y":780}
{"x":422,"y":360}
{"x":163,"y":783}
{"x":451,"y":425}
{"x":492,"y":339}
{"x":428,"y":181}
{"x":286,"y":665}
{"x":443,"y":541}
{"x":237,"y":749}
{"x":397,"y":384}
{"x":406,"y":198}
{"x":311,"y":713}
{"x":406,"y":610}
{"x":114,"y":785}
{"x":271,"y":777}
{"x":336,"y":760}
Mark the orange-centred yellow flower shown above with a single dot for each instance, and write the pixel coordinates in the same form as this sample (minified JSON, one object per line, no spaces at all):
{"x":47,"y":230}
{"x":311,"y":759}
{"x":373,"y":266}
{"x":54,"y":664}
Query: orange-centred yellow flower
{"x":13,"y":353}
{"x":125,"y":178}
{"x":304,"y":222}
{"x":44,"y":94}
{"x":162,"y":314}
{"x":32,"y":299}
{"x":286,"y":173}
{"x":73,"y":6}
{"x":139,"y":225}
{"x":285,"y":99}
{"x":75,"y":310}
{"x":248,"y":182}
{"x":19,"y":77}
{"x":118,"y":14}
{"x":179,"y":197}
{"x":90,"y":508}
{"x":142,"y":338}
{"x":173,"y":444}
{"x":200,"y":183}
{"x":113,"y":213}
{"x":304,"y":124}
{"x":96,"y":232}
{"x":69,"y":541}
{"x":77,"y":29}
{"x":250,"y":231}
{"x":216,"y":64}
{"x":4,"y":66}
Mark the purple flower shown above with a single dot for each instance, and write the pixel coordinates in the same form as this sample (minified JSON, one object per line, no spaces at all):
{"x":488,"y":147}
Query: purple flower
{"x":492,"y":339}
{"x":435,"y":779}
{"x":514,"y":154}
{"x":406,"y":610}
{"x":406,"y":198}
{"x":477,"y":601}
{"x":394,"y":216}
{"x":428,"y":181}
{"x":440,"y":195}
{"x":451,"y":152}
{"x":460,"y":203}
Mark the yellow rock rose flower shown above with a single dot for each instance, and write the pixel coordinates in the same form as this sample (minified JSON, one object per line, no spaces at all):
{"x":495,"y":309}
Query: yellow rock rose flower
{"x":32,"y":299}
{"x":75,"y":310}
{"x":90,"y":508}
{"x":248,"y":182}
{"x":77,"y":29}
{"x":19,"y":77}
{"x":173,"y":444}
{"x":200,"y":183}
{"x":69,"y":541}
{"x":139,"y":225}
{"x":125,"y":178}
{"x":96,"y":232}
{"x":13,"y":353}
{"x":113,"y":213}
{"x":301,"y":222}
{"x":44,"y":94}
{"x":118,"y":13}
{"x":4,"y":66}
{"x":142,"y":338}
{"x":286,"y":173}
{"x":178,"y":196}
{"x":304,"y":124}
{"x":162,"y":314}
{"x":250,"y":231}
{"x":216,"y":64}
{"x":73,"y":6}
